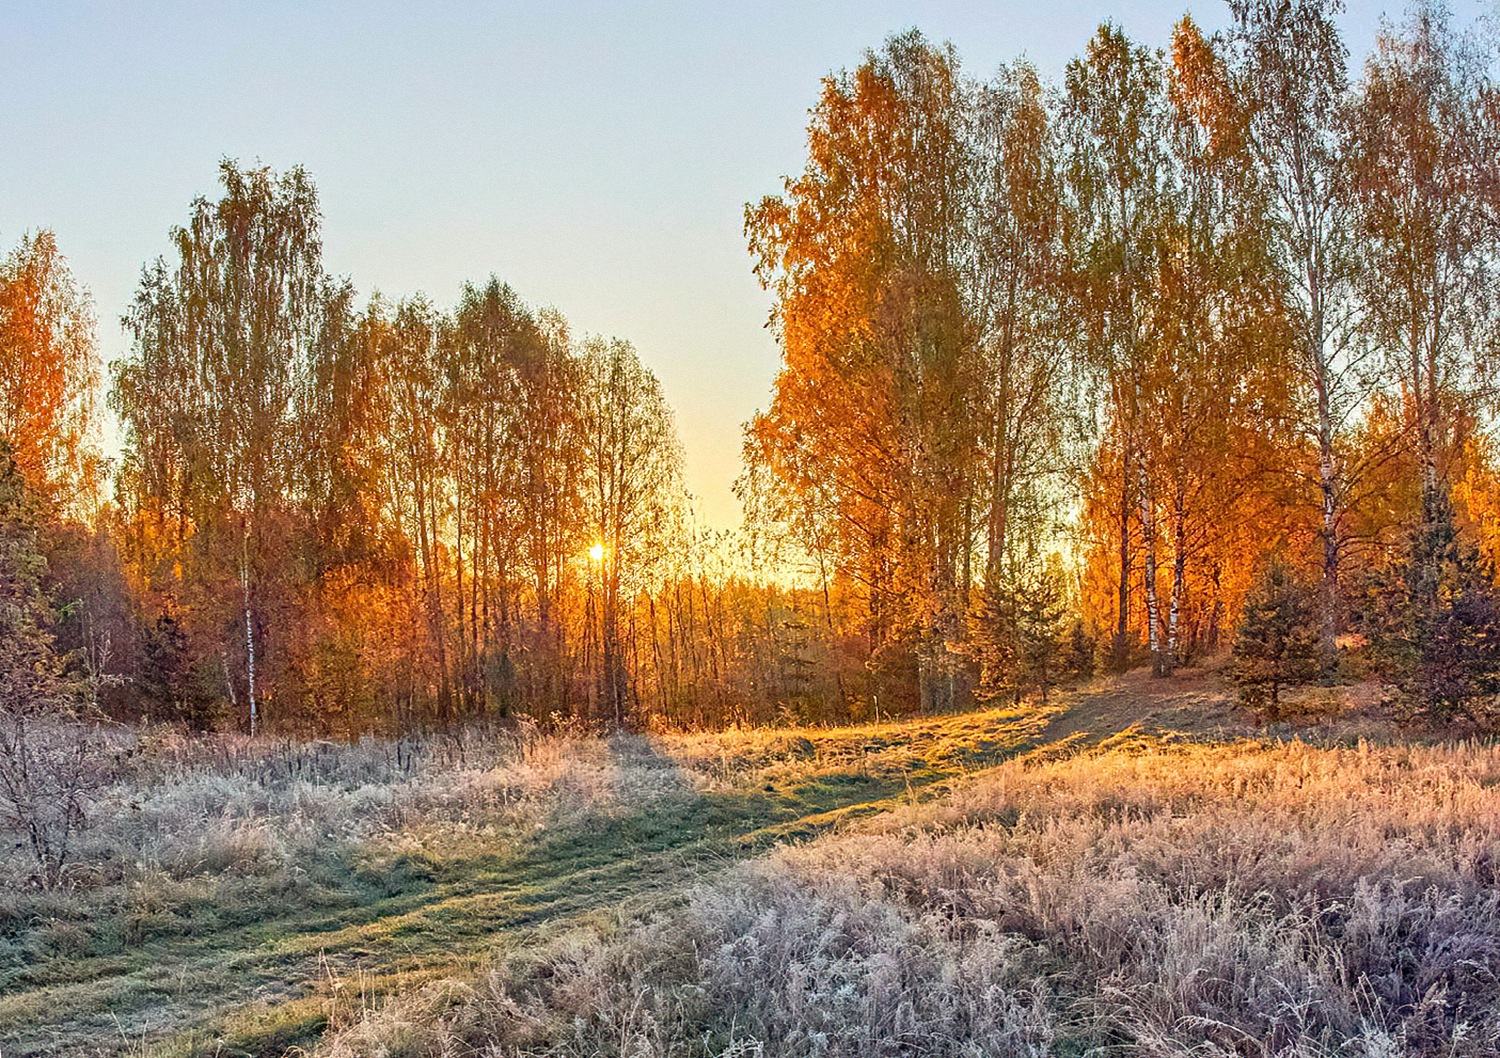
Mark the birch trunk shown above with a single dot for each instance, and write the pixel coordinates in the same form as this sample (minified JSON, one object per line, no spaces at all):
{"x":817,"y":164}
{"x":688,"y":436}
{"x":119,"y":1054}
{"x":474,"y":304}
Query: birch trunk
{"x":1148,"y":547}
{"x":1179,"y":577}
{"x":249,"y":629}
{"x":1121,"y":650}
{"x":1327,"y":487}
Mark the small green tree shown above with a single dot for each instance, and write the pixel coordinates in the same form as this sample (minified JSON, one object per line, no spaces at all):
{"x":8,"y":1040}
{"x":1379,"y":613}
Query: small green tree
{"x":1020,"y":638}
{"x":1277,"y":644}
{"x":49,"y":752}
{"x":171,"y":678}
{"x":1079,"y":658}
{"x":1435,"y":626}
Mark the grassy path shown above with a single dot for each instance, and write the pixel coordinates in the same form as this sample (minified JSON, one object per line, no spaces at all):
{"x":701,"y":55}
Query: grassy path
{"x":262,"y":987}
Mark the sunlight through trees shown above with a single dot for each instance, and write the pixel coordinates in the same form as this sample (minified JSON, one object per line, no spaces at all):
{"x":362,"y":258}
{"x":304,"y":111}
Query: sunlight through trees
{"x":1069,"y":370}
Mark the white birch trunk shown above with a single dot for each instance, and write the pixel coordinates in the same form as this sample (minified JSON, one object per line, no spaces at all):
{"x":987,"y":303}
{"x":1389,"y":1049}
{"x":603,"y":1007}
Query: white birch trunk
{"x":249,"y":630}
{"x":1148,"y":546}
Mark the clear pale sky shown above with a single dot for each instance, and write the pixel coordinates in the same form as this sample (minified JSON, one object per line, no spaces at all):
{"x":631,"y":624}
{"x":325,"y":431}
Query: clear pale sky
{"x":596,"y":156}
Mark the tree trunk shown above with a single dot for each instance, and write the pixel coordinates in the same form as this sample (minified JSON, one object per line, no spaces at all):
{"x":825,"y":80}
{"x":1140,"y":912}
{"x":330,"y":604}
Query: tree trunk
{"x":1120,"y":654}
{"x":1148,"y":546}
{"x":1427,"y":411}
{"x":1179,"y":577}
{"x":999,"y":494}
{"x":464,"y":677}
{"x":614,"y":675}
{"x":1328,"y":629}
{"x":249,"y":630}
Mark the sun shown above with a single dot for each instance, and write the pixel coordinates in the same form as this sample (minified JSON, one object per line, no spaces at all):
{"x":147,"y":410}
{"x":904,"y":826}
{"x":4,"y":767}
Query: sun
{"x":597,"y":552}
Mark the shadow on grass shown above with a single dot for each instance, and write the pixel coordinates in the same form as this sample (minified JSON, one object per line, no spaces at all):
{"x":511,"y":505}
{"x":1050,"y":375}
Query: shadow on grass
{"x":263,"y":979}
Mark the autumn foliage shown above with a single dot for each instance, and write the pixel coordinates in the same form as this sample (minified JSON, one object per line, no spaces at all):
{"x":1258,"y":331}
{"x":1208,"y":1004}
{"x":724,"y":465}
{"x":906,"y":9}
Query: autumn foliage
{"x":1090,"y":368}
{"x":1193,"y":308}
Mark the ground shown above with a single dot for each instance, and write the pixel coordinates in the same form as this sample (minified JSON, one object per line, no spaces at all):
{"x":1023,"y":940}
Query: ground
{"x":435,"y":901}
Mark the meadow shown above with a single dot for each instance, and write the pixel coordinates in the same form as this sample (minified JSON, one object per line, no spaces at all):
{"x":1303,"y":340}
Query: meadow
{"x":1132,"y":870}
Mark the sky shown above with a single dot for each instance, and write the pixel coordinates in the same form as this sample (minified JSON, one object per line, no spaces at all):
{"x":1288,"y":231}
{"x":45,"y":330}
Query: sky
{"x":596,"y":156}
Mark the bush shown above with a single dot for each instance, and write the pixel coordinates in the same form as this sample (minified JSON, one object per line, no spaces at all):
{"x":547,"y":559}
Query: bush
{"x":49,"y":753}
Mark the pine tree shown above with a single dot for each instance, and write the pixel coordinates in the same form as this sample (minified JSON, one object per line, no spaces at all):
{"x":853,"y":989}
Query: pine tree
{"x":1079,"y":657}
{"x":1436,"y":626}
{"x":1278,"y":643}
{"x":168,"y":675}
{"x":1021,"y":640}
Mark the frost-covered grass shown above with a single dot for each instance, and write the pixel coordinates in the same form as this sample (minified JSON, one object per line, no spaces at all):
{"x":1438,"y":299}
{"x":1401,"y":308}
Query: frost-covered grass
{"x":205,"y":849}
{"x":1151,"y":899}
{"x":233,"y":896}
{"x":995,"y":883}
{"x":216,"y":820}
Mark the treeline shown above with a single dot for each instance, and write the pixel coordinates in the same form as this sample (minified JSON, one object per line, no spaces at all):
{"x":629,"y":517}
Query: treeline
{"x":343,"y":516}
{"x":334,"y":518}
{"x":1136,"y":339}
{"x":1193,"y":349}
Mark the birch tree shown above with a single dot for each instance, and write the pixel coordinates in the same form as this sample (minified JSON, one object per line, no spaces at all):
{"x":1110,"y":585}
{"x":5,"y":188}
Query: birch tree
{"x":1114,"y":114}
{"x":1425,"y":172}
{"x":1216,"y":333}
{"x":632,"y":495}
{"x":1289,"y":106}
{"x":883,"y":294}
{"x":513,"y":383}
{"x":1022,"y":332}
{"x":206,"y":394}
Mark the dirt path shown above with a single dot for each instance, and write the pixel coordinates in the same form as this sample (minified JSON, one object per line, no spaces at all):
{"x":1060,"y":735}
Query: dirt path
{"x":1191,"y":703}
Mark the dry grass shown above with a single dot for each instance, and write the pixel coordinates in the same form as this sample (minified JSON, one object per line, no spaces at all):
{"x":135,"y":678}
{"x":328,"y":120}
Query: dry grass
{"x":207,"y":858}
{"x":232,"y":890}
{"x":1147,"y":898}
{"x":228,"y":807}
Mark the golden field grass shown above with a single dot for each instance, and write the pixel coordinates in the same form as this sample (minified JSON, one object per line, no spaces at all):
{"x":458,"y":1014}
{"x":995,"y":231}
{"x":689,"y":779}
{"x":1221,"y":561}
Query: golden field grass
{"x":1125,"y":873}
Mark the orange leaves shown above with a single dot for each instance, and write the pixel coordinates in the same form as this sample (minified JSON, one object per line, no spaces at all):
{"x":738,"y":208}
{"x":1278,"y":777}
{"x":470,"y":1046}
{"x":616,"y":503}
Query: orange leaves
{"x":1199,"y":87}
{"x":916,"y":410}
{"x":49,"y":376}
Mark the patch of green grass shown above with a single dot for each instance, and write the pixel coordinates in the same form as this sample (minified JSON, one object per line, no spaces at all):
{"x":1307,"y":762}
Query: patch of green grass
{"x":268,"y":1033}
